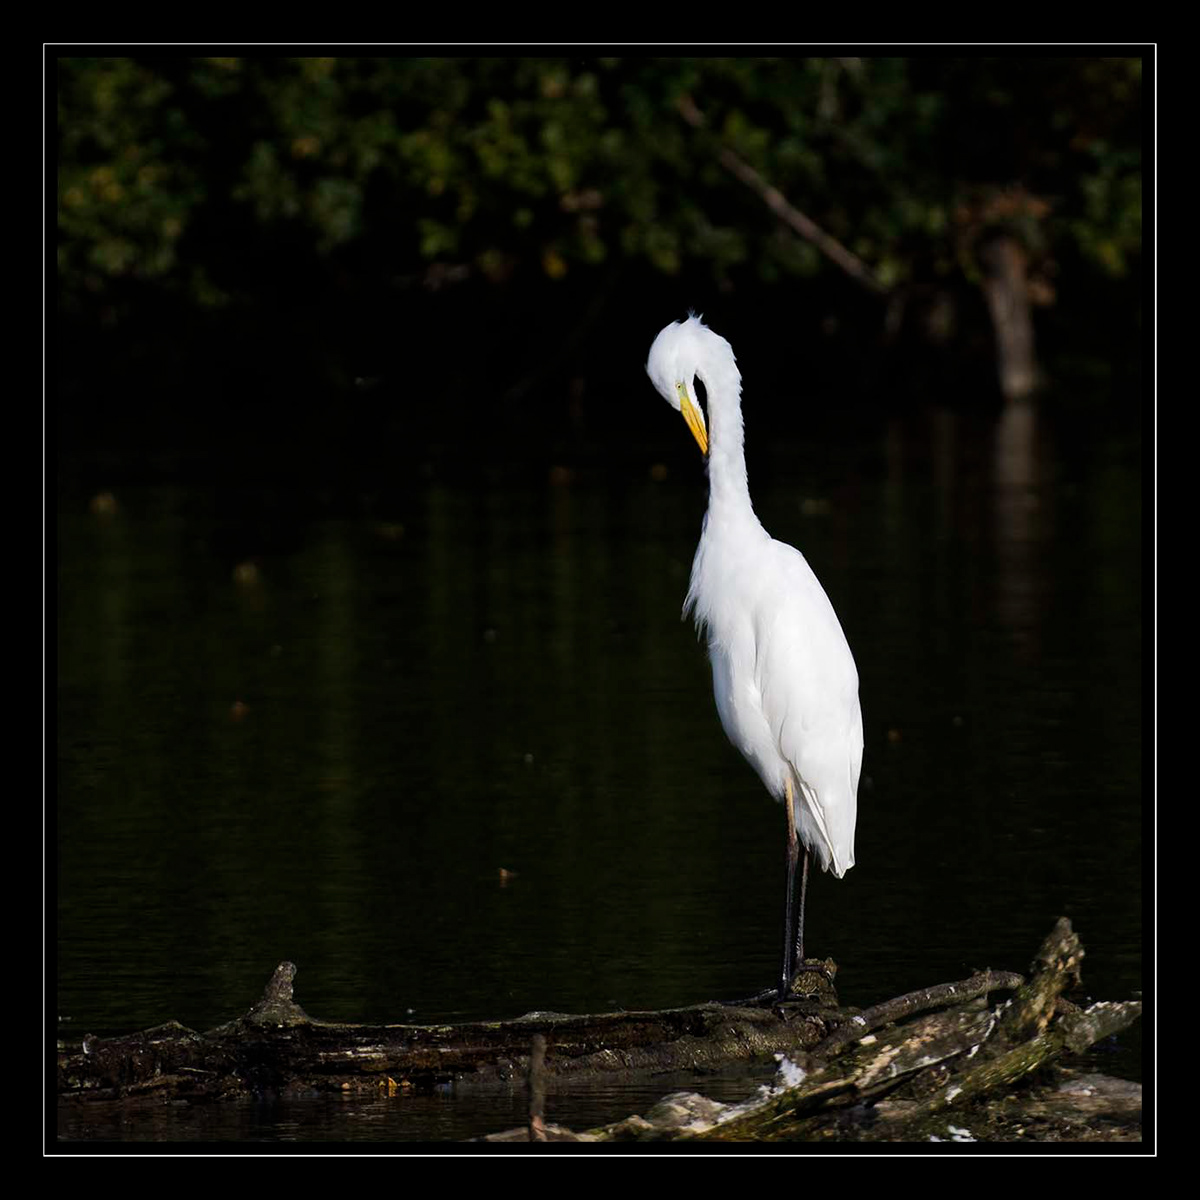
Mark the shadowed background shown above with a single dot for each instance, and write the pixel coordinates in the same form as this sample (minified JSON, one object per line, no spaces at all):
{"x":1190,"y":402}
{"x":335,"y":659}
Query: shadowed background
{"x":372,"y":536}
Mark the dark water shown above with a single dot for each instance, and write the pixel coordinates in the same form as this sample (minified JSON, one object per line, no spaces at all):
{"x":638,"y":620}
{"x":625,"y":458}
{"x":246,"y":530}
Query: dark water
{"x":461,"y":760}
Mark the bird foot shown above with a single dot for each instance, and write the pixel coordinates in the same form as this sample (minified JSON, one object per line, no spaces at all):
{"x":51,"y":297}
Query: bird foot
{"x":813,"y":980}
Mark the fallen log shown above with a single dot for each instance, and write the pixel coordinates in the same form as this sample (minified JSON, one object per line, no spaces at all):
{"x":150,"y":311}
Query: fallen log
{"x":898,"y":1070}
{"x":928,"y":1077}
{"x":278,"y":1047}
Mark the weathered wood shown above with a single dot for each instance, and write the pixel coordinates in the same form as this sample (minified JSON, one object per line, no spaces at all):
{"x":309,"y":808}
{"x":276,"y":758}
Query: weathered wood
{"x":905,"y":1006}
{"x":928,"y":1076}
{"x":914,"y":1067}
{"x":277,"y":1046}
{"x":537,"y":1089}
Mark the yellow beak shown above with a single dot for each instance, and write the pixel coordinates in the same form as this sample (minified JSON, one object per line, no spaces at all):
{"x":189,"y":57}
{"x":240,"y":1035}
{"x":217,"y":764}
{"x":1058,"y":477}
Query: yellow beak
{"x":693,"y":417}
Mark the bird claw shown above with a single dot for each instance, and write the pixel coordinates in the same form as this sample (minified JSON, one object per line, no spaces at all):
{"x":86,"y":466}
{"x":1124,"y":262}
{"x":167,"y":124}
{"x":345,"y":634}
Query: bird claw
{"x":813,"y":980}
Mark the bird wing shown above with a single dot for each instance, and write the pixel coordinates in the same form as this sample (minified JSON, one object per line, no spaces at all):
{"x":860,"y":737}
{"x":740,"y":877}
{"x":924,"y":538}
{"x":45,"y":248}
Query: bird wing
{"x":809,"y":688}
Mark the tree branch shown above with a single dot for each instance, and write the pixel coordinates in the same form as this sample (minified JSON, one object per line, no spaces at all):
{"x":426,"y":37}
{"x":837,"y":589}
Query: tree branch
{"x":775,"y":200}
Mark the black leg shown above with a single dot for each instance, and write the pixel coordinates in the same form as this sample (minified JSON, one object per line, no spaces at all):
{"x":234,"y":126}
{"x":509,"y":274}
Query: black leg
{"x":791,"y":939}
{"x":799,"y":961}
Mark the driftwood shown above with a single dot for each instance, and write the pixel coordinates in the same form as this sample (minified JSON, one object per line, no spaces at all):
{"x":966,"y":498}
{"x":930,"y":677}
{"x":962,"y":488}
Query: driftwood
{"x":901,"y":1070}
{"x":944,"y":1075}
{"x":276,"y":1046}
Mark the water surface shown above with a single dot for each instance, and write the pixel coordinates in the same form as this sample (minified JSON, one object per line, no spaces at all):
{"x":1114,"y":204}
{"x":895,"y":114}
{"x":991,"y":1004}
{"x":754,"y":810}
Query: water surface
{"x":457,"y":758}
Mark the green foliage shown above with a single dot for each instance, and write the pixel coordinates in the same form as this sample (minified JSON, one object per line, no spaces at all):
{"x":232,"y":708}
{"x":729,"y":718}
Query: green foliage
{"x":188,"y":174}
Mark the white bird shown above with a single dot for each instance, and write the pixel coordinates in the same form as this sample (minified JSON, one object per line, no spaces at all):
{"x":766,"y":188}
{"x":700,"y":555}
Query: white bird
{"x":784,"y":678}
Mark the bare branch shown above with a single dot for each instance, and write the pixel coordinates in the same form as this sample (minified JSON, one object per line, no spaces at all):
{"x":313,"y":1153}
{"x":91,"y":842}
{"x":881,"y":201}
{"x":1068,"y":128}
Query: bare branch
{"x":787,"y":212}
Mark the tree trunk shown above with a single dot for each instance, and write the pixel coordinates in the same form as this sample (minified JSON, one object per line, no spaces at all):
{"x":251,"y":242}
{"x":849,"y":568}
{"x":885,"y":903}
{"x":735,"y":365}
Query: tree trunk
{"x":1006,"y":287}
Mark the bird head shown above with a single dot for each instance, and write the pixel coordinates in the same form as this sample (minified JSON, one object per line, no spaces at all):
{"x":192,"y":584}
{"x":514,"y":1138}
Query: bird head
{"x":679,"y":354}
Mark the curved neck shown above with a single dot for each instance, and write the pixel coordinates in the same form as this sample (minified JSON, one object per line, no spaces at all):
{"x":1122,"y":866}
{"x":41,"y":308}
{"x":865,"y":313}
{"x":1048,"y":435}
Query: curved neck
{"x":728,"y":491}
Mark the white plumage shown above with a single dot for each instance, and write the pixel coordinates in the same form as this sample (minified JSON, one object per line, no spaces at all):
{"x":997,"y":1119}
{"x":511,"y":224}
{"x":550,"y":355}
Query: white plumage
{"x":784,"y":678}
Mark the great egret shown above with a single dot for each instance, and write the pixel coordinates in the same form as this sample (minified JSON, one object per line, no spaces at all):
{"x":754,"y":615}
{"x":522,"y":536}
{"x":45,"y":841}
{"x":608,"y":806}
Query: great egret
{"x":784,"y":678}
